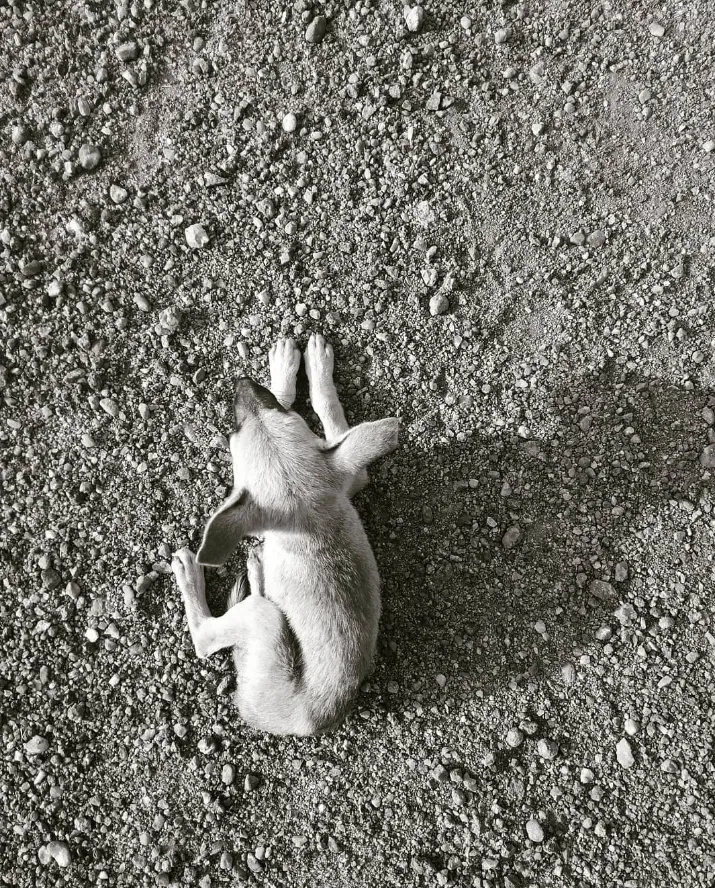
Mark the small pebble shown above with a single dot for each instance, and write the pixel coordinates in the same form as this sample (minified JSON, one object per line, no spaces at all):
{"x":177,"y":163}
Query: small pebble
{"x":511,"y":537}
{"x":631,"y":727}
{"x":514,"y":738}
{"x":228,"y":772}
{"x":60,"y":853}
{"x":289,"y":123}
{"x":547,"y":749}
{"x":196,"y":236}
{"x":316,"y":29}
{"x":438,"y":304}
{"x":534,"y":831}
{"x":36,"y":745}
{"x":414,"y":16}
{"x":709,"y":146}
{"x":251,"y":783}
{"x":127,"y":52}
{"x":117,"y":194}
{"x":624,"y":754}
{"x":89,"y":157}
{"x":656,"y":29}
{"x":501,"y":36}
{"x":586,"y":775}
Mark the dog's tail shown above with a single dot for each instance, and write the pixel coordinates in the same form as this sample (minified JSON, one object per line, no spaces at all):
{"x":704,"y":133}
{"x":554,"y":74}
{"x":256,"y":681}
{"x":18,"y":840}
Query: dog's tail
{"x":239,"y":590}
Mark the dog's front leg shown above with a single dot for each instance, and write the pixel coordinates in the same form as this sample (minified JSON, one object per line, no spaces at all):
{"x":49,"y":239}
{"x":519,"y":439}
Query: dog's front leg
{"x":284,"y":361}
{"x":190,"y":580}
{"x":319,"y":361}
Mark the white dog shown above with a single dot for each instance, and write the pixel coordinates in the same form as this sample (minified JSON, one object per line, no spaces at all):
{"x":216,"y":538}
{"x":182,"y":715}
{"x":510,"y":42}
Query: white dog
{"x":304,"y":637}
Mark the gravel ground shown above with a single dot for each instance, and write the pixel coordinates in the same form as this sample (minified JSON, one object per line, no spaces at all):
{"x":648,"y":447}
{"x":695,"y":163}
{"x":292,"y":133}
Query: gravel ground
{"x":501,"y":215}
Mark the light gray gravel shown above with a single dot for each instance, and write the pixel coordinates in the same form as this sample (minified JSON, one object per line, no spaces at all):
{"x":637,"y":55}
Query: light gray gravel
{"x":501,"y":215}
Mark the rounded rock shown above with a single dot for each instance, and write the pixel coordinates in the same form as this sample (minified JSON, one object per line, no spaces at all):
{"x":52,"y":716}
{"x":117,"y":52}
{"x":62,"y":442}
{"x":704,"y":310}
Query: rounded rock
{"x":289,"y":123}
{"x":60,"y":853}
{"x":624,"y":754}
{"x":36,"y":745}
{"x":89,"y":157}
{"x":514,"y":737}
{"x":414,"y":16}
{"x":534,"y":831}
{"x":316,"y":29}
{"x":196,"y":236}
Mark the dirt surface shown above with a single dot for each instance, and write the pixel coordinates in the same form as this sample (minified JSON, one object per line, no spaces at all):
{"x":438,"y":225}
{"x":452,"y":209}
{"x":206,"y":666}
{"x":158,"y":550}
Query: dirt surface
{"x":501,"y":215}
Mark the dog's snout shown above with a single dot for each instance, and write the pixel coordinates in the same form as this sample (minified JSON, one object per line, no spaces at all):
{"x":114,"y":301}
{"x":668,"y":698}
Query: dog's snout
{"x":250,"y":396}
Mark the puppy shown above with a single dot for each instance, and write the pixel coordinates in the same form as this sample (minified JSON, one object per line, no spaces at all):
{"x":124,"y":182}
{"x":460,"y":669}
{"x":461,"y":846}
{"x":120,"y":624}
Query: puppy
{"x":304,"y":638}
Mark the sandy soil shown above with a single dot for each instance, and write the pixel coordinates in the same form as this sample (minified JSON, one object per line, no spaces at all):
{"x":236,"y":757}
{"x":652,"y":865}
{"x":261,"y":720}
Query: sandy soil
{"x":501,"y":215}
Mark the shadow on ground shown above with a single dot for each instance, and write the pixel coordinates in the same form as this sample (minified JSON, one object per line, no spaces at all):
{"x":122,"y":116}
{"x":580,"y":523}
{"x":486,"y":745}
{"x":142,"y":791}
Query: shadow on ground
{"x":458,"y":602}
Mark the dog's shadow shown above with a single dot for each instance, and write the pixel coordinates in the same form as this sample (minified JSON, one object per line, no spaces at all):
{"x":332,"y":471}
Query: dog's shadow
{"x":487,"y":547}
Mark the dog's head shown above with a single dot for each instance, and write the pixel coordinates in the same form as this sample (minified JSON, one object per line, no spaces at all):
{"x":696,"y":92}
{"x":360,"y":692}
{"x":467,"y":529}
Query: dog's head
{"x":282,"y":472}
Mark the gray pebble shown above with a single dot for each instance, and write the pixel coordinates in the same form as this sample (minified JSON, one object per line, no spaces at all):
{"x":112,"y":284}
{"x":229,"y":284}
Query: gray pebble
{"x":289,"y":123}
{"x":624,"y":753}
{"x":117,"y":194}
{"x":534,"y":831}
{"x":316,"y":30}
{"x":36,"y":745}
{"x":89,"y":157}
{"x":60,"y":853}
{"x":438,"y":304}
{"x":414,"y":16}
{"x":511,"y":537}
{"x":196,"y":236}
{"x":127,"y":52}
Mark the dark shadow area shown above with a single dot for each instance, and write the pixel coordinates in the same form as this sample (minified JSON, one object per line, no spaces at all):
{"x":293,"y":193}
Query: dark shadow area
{"x":462,"y":601}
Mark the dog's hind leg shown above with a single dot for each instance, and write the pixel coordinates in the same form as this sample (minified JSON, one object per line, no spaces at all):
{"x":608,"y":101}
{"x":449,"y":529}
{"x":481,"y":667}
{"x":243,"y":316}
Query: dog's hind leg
{"x":284,"y":361}
{"x":319,"y":362}
{"x":269,"y":671}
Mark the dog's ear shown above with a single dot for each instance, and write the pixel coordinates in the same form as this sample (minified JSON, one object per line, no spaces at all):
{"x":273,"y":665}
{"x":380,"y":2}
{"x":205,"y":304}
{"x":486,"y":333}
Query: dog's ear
{"x":225,"y":530}
{"x":363,"y":444}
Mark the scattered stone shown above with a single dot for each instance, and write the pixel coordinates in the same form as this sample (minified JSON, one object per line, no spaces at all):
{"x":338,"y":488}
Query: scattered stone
{"x":709,"y":146}
{"x":501,"y":36}
{"x":316,"y":29}
{"x":707,"y":457}
{"x":414,"y":16}
{"x":127,"y":52}
{"x":624,"y":754}
{"x":514,"y":738}
{"x":37,"y":745}
{"x":621,"y":571}
{"x":89,"y":157}
{"x":60,"y":853}
{"x":656,"y":29}
{"x":118,"y":194}
{"x":596,"y":238}
{"x":438,"y":304}
{"x":602,"y":590}
{"x":511,"y":537}
{"x":568,"y":674}
{"x":196,"y":236}
{"x":289,"y":123}
{"x":110,"y":407}
{"x":547,"y":749}
{"x":251,"y":783}
{"x":228,"y":772}
{"x":631,"y":727}
{"x":534,"y":831}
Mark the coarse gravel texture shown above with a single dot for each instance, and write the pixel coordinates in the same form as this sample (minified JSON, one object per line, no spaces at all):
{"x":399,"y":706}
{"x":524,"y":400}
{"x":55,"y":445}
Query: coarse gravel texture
{"x":501,"y":215}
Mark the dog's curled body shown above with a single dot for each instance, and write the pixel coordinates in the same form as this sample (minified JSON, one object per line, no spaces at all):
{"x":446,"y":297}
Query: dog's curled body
{"x":305,"y":637}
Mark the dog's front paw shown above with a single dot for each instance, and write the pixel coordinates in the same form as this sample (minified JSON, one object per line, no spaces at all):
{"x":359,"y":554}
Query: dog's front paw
{"x":284,"y":361}
{"x":188,"y":572}
{"x":319,"y":362}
